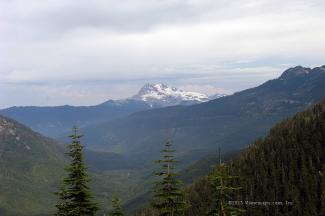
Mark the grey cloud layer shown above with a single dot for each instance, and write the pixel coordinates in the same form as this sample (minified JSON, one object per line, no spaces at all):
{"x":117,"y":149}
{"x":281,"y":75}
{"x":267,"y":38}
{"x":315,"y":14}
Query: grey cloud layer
{"x":55,"y":17}
{"x":126,"y":15}
{"x":183,"y":42}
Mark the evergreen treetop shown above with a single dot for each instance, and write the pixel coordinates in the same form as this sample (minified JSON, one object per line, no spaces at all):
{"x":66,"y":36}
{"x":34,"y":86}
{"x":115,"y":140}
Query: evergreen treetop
{"x":224,"y":191}
{"x":75,"y":197}
{"x":117,"y":209}
{"x":168,"y":196}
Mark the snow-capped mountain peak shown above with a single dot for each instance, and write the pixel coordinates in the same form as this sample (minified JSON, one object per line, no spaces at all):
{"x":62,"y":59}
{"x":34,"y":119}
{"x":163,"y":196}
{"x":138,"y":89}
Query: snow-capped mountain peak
{"x":163,"y":95}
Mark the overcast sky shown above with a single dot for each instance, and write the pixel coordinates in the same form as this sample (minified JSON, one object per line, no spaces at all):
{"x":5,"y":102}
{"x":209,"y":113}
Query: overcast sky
{"x":82,"y":52}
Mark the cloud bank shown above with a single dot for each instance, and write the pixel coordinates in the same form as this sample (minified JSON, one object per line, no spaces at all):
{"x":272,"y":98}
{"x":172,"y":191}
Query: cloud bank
{"x":82,"y":52}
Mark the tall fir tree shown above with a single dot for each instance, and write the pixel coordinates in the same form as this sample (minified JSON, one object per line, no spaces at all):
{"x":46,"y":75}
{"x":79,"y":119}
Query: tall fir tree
{"x":224,"y":190}
{"x":75,"y":196}
{"x":168,"y":196}
{"x":117,"y":207}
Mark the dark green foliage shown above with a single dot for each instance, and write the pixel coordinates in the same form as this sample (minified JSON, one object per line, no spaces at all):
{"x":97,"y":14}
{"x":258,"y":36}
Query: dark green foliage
{"x":204,"y":165}
{"x":224,"y":190}
{"x":29,"y":168}
{"x":75,"y":196}
{"x":168,"y":197}
{"x":32,"y":166}
{"x":200,"y":197}
{"x":145,"y":212}
{"x":187,"y":176}
{"x":287,"y":165}
{"x":117,"y":209}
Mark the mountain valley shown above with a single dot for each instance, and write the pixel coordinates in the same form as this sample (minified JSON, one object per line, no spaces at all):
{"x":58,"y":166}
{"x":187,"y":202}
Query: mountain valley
{"x":123,"y":138}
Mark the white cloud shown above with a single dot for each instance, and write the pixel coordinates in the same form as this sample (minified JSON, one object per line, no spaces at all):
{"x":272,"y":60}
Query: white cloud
{"x":201,"y":42}
{"x":206,"y":89}
{"x":40,"y":94}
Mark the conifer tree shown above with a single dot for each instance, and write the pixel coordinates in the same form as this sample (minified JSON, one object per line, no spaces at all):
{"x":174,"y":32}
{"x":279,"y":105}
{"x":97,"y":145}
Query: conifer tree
{"x":74,"y":195}
{"x":168,"y":198}
{"x":117,"y":209}
{"x":224,"y":190}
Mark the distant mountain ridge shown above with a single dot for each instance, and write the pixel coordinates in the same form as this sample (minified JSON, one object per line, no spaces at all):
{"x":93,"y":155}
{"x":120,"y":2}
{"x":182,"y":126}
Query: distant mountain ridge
{"x":54,"y":121}
{"x":230,"y":122}
{"x":57,"y":120}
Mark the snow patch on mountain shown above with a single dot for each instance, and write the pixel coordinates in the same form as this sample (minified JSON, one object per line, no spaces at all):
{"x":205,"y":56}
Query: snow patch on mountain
{"x":164,"y":95}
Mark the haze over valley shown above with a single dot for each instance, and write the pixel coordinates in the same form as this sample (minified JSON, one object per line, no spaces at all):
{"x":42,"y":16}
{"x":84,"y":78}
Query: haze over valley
{"x":162,"y":108}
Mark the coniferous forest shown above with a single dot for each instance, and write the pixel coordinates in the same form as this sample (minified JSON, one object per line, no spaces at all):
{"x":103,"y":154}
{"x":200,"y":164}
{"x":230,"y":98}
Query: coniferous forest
{"x":281,"y":174}
{"x":287,"y":166}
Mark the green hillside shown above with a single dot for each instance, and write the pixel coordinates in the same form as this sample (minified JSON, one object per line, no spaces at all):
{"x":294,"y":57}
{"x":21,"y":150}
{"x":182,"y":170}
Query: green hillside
{"x":29,"y":168}
{"x":32,"y":166}
{"x":287,"y":165}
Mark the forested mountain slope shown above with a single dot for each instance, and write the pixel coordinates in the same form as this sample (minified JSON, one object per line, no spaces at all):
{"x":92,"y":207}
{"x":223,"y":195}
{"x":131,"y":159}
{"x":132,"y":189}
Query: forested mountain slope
{"x":29,"y":168}
{"x":287,"y":165}
{"x":32,"y":166}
